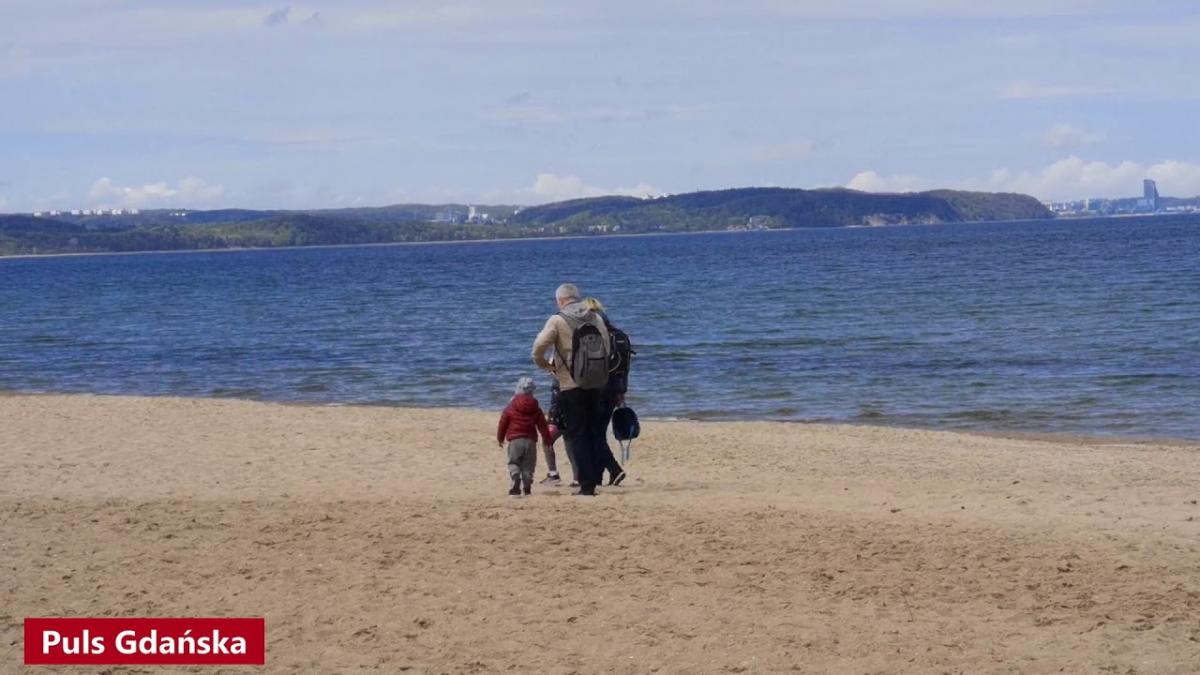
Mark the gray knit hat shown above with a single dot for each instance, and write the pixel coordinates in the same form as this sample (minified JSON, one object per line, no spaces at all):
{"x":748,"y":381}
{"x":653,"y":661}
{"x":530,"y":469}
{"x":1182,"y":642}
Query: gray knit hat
{"x":525,"y":385}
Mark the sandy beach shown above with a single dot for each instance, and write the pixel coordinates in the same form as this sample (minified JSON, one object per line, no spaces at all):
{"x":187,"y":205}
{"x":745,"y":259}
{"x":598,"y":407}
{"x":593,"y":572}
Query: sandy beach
{"x":381,"y":540}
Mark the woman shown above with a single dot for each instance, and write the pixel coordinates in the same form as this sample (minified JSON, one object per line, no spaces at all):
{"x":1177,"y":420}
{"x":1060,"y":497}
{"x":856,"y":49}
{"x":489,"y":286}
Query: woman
{"x":614,"y":396}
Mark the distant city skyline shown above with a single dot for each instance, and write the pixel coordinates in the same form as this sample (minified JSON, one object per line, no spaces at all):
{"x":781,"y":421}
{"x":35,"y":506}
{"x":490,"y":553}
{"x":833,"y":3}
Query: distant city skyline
{"x":214,"y":104}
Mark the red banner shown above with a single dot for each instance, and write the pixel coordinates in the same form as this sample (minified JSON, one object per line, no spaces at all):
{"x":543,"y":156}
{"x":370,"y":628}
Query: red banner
{"x":118,"y":641}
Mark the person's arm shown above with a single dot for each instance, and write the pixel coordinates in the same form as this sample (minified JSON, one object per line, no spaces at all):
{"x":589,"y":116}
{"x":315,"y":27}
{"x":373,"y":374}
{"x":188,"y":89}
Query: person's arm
{"x":503,"y":428}
{"x":545,"y":340}
{"x":544,"y":429}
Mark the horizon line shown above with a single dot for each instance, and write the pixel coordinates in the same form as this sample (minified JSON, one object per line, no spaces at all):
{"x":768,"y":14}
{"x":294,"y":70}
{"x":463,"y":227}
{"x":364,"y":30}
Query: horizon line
{"x":137,"y":210}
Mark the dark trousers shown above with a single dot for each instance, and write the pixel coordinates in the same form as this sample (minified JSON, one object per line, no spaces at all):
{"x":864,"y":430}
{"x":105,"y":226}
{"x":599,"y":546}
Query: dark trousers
{"x":608,"y":461}
{"x":585,"y":431}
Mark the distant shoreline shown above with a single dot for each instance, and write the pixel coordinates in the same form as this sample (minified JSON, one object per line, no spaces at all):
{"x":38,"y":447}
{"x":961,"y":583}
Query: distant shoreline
{"x":497,"y":240}
{"x":244,"y":249}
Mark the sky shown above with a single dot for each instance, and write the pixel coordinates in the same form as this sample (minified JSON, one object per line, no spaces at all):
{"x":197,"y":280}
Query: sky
{"x":205,"y":104}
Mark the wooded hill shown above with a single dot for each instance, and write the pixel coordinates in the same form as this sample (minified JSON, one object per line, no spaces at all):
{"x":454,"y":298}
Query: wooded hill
{"x":736,"y":209}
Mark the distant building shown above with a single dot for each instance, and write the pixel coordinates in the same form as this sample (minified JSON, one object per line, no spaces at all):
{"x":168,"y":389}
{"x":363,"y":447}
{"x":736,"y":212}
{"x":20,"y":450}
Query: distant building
{"x":37,"y":214}
{"x":132,"y":212}
{"x":474,"y":215}
{"x":448,"y":216}
{"x":1150,"y":194}
{"x":74,"y":212}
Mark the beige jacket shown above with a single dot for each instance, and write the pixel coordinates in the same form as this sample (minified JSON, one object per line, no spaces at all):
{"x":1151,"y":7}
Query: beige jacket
{"x":557,"y":334}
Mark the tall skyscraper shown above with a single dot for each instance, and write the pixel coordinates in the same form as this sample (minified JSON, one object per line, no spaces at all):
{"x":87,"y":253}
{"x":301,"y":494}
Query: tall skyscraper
{"x":1150,"y":193}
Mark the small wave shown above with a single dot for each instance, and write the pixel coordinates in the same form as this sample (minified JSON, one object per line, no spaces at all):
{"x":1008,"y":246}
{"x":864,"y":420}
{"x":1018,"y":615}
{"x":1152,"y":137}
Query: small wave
{"x":236,"y":392}
{"x":48,"y":340}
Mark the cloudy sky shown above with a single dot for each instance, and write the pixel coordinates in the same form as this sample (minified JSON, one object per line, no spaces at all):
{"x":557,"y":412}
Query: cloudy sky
{"x":356,"y":102}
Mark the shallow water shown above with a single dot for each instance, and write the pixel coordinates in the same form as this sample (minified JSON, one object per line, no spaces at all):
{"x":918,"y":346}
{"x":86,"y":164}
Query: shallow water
{"x":1069,"y":326}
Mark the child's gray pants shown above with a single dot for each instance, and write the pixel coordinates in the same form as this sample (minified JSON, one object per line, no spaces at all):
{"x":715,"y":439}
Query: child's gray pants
{"x":522,"y":459}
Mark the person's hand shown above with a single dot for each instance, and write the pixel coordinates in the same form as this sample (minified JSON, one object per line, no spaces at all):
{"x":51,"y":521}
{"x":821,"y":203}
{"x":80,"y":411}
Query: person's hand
{"x":500,"y":444}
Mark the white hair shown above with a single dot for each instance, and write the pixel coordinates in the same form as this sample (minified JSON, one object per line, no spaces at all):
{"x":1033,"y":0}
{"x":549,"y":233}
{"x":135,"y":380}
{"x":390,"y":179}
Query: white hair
{"x":525,"y":385}
{"x":567,"y":292}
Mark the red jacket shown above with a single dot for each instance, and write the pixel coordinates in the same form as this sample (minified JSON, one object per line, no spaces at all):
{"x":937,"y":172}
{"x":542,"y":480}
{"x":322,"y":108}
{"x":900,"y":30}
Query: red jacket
{"x":523,"y":418}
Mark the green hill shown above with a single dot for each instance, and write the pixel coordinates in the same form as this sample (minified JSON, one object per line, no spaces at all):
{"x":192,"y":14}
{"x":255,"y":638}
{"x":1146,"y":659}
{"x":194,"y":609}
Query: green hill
{"x":745,"y":208}
{"x":778,"y":208}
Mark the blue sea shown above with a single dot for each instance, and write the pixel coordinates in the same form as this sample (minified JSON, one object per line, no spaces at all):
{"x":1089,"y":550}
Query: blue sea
{"x":1083,"y":326}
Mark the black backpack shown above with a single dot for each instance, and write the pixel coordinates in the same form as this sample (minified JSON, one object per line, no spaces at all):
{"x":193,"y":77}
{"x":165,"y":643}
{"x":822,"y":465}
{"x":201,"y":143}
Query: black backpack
{"x":625,"y":424}
{"x":589,"y":354}
{"x":620,"y":356}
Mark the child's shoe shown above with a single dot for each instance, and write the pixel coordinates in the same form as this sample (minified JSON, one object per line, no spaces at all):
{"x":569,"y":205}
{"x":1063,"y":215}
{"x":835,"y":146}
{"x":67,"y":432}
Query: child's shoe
{"x":552,"y":479}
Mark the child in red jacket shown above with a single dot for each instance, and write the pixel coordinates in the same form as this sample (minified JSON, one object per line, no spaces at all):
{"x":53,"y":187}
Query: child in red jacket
{"x":520,"y":424}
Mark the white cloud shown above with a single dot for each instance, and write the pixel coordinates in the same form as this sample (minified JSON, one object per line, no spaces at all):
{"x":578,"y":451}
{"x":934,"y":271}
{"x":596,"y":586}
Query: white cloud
{"x":1075,"y":178}
{"x":283,"y":16}
{"x":187,"y":192}
{"x":1176,"y":179}
{"x":1070,"y":136}
{"x":552,"y":187}
{"x":1028,"y":90}
{"x":871,"y":181}
{"x":1069,"y":178}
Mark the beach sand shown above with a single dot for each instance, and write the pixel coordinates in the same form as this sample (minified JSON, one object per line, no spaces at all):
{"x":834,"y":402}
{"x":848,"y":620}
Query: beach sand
{"x":381,"y":540}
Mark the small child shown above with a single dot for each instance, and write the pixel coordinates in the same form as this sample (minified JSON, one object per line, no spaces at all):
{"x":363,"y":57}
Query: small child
{"x":520,"y":424}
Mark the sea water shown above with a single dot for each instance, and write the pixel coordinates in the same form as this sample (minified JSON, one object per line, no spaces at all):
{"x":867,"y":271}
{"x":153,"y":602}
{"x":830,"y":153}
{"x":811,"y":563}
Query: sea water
{"x":1075,"y":326}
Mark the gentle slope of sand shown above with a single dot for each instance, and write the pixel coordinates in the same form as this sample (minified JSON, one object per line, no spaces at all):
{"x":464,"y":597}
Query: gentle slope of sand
{"x":380,"y":540}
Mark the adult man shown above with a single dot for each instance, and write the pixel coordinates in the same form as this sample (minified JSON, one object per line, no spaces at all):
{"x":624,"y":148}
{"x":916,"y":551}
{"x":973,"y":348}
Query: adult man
{"x":585,"y":427}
